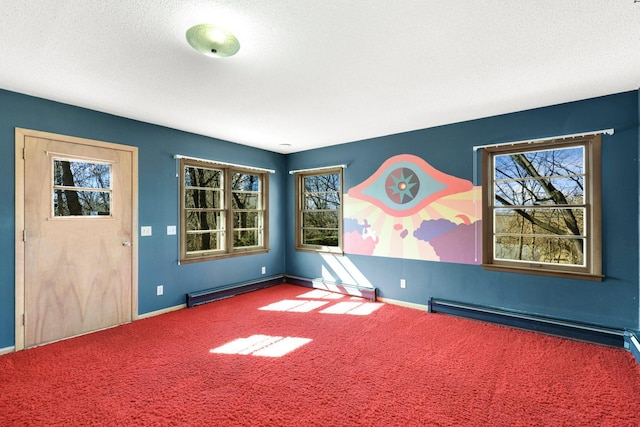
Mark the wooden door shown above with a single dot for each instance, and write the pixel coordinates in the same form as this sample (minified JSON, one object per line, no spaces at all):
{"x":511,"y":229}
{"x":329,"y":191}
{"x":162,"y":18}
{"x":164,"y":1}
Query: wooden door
{"x":78,"y":236}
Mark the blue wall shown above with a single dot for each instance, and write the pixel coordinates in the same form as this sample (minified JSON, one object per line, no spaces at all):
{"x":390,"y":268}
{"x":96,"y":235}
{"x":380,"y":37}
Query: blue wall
{"x":612,"y":302}
{"x":158,"y":200}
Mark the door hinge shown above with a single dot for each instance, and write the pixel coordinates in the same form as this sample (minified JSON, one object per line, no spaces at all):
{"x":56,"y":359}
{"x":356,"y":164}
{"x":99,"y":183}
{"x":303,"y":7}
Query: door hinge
{"x":24,"y":153}
{"x":23,"y":321}
{"x":24,"y":235}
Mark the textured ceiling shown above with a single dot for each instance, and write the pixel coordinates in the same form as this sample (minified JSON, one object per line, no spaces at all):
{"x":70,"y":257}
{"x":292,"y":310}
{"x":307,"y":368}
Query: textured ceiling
{"x":312,"y":73}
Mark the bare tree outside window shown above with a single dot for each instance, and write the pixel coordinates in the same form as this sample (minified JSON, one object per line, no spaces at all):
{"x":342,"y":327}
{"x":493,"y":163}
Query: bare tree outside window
{"x":247,"y":210}
{"x":203,"y":206}
{"x":541,"y":211}
{"x":319,"y":213}
{"x":222,"y":212}
{"x":81,"y":188}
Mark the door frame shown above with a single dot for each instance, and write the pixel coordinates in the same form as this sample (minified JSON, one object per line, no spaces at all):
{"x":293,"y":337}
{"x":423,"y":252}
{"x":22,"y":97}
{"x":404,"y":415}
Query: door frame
{"x":20,"y":136}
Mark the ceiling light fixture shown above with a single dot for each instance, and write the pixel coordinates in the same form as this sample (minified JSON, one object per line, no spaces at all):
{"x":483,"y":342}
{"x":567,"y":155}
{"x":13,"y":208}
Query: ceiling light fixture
{"x":212,"y":40}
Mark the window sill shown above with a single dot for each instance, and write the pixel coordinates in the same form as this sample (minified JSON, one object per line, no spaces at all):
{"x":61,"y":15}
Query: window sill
{"x":545,"y":272}
{"x":193,"y":259}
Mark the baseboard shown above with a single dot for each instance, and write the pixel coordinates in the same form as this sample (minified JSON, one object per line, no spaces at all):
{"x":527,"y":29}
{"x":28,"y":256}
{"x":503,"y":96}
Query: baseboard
{"x":159,"y":312}
{"x":547,"y":325}
{"x":7,"y":350}
{"x":352,"y":290}
{"x":401,"y":303}
{"x":214,"y":294}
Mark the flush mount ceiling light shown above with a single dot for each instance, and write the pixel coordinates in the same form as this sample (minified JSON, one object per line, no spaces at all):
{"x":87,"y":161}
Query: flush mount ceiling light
{"x":212,"y":40}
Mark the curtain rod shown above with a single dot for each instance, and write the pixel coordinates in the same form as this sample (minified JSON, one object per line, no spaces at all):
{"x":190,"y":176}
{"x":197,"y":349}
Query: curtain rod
{"x":180,"y":156}
{"x":529,"y":141}
{"x":343,"y":166}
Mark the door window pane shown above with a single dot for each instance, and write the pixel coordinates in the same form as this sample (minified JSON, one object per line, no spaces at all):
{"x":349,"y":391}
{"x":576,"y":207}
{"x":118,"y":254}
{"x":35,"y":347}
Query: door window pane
{"x":81,"y":203}
{"x":81,"y":188}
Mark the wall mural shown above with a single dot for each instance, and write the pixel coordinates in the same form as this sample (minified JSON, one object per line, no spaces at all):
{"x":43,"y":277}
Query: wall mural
{"x":408,"y":209}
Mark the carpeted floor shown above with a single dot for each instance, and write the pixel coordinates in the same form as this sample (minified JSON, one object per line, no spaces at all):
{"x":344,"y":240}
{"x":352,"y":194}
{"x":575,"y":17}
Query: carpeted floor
{"x":291,"y":356}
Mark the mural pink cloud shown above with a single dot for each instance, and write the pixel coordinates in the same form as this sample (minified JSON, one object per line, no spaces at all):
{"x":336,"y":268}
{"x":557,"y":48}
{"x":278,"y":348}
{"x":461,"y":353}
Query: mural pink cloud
{"x":409,"y":209}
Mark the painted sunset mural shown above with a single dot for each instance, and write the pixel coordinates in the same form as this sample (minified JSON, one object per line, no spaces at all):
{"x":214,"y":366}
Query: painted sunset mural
{"x":408,"y":209}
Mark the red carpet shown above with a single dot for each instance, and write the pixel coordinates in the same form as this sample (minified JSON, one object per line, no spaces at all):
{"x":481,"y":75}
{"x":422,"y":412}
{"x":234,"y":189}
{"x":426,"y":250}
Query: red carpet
{"x":393,"y":367}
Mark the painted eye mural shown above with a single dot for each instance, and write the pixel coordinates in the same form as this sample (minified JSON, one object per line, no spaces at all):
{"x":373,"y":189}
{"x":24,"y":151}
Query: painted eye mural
{"x":405,"y":184}
{"x":402,"y":185}
{"x":409,"y":209}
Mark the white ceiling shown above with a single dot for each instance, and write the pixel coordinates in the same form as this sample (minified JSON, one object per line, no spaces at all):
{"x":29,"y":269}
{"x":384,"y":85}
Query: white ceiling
{"x":312,"y":73}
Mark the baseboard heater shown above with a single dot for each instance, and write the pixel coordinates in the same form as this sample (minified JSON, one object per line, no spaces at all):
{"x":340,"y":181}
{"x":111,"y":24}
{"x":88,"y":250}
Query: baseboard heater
{"x":353,"y":290}
{"x":567,"y":329}
{"x":214,"y":294}
{"x":633,"y":344}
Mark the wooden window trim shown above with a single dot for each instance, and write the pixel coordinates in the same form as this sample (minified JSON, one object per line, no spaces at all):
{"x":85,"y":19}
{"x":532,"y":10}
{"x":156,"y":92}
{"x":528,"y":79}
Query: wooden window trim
{"x":593,"y":174}
{"x":300,"y":246}
{"x":228,"y":251}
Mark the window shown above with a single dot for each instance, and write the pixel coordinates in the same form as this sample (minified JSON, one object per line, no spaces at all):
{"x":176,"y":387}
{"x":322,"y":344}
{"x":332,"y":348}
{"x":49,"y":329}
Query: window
{"x":541,"y":211}
{"x":81,"y":188}
{"x":319,"y":210}
{"x":223,"y":211}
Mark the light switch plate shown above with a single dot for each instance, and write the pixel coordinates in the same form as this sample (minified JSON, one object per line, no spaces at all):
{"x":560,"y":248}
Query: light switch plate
{"x":145,"y":230}
{"x":171,"y":230}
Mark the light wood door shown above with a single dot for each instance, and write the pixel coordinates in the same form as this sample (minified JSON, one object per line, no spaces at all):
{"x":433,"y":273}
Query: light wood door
{"x":78,"y":238}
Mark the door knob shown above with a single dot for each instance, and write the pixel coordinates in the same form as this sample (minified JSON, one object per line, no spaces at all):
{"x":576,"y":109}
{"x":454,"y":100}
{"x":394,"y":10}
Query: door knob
{"x":126,"y":243}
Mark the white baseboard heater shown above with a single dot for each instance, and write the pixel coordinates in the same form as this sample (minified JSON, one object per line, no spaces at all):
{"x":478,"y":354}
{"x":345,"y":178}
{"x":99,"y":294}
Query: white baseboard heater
{"x":547,"y":325}
{"x":214,"y":294}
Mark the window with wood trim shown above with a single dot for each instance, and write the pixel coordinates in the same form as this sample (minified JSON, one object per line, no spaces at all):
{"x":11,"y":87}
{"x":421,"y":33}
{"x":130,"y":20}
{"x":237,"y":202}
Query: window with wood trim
{"x":223,"y":211}
{"x":319,"y":210}
{"x":542,"y":207}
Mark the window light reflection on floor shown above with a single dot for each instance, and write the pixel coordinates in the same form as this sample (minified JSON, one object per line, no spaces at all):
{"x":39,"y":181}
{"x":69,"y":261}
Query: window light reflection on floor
{"x":357,"y":308}
{"x":262,"y":345}
{"x":354,"y":308}
{"x":295,"y":306}
{"x":320,"y":294}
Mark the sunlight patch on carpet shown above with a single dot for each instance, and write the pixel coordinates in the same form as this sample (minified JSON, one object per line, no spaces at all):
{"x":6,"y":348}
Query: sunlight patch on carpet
{"x":320,"y":294}
{"x":262,"y":345}
{"x":294,"y":306}
{"x":354,"y":308}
